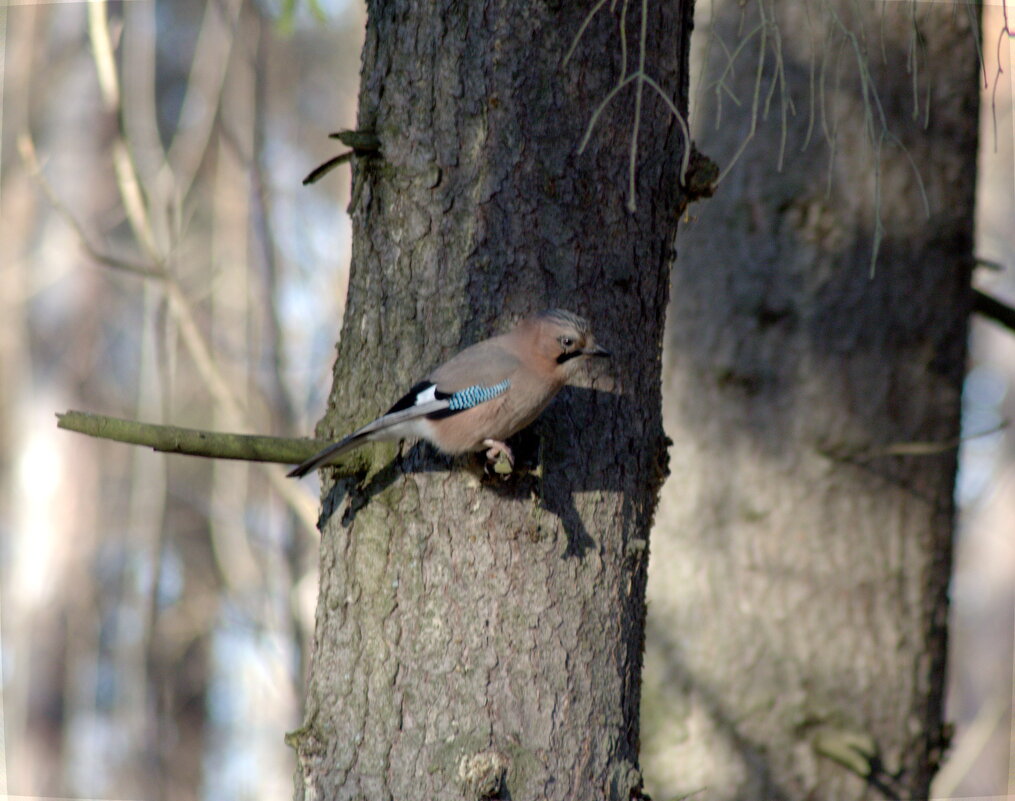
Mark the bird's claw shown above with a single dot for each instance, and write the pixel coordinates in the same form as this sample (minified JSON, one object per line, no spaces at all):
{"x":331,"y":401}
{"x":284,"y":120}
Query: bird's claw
{"x":500,"y":454}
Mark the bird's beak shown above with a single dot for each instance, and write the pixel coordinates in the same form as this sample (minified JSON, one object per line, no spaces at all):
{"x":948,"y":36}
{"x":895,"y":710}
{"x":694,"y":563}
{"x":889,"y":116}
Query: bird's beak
{"x":597,"y":350}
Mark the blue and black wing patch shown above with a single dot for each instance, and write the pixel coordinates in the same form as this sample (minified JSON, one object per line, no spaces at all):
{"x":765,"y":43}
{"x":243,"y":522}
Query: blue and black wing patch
{"x":467,"y":398}
{"x":427,"y":392}
{"x":473,"y":396}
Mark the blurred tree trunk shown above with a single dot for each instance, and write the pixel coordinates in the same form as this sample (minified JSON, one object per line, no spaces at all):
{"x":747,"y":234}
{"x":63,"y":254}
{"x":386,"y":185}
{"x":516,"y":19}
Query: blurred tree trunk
{"x":798,"y":637}
{"x":471,"y":639}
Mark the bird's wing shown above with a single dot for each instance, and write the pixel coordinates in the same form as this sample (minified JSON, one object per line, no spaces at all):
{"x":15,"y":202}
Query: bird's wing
{"x":485,"y":364}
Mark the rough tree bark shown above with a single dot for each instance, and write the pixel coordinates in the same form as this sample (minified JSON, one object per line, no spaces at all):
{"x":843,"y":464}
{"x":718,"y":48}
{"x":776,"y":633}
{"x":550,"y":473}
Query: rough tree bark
{"x":475,"y":640}
{"x":800,"y":566}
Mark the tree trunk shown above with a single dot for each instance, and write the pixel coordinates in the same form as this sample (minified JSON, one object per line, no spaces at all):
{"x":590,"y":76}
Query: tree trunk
{"x":484,"y":639}
{"x":798,"y":630}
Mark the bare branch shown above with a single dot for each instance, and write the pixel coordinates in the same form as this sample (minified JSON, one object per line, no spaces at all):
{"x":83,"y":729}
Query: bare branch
{"x":1006,"y":32}
{"x":763,"y":29}
{"x":192,"y":441}
{"x":601,"y":107}
{"x":581,"y":30}
{"x":203,"y":89}
{"x":220,"y":445}
{"x":685,"y":159}
{"x":994,"y":309}
{"x":860,"y":455}
{"x":633,"y":158}
{"x":31,"y":160}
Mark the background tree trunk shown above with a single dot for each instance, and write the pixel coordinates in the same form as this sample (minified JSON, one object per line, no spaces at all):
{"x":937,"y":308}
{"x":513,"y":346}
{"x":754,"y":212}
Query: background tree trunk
{"x":797,"y":635}
{"x":471,"y":634}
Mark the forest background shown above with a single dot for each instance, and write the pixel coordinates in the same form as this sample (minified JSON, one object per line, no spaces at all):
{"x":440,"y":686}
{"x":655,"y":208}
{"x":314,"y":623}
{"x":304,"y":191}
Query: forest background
{"x":154,"y":614}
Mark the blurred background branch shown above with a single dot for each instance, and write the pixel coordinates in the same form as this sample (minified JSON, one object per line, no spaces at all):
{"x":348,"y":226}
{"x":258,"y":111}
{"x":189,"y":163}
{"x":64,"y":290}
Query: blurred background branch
{"x":154,"y":611}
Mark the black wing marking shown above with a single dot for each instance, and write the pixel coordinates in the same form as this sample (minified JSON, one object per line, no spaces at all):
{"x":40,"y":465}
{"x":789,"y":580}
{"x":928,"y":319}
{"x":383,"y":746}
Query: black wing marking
{"x":410,"y":398}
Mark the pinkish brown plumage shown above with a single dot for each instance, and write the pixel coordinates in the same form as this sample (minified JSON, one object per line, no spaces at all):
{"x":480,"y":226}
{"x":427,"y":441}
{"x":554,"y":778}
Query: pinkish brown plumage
{"x":486,"y":393}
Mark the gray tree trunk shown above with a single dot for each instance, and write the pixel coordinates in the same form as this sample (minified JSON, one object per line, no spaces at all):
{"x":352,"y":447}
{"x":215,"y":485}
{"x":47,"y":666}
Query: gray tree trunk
{"x":797,"y":638}
{"x":486,"y":640}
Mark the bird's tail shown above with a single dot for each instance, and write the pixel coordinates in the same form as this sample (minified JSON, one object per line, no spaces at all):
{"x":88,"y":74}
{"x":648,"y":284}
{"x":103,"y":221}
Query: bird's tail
{"x":391,"y":426}
{"x":329,"y":453}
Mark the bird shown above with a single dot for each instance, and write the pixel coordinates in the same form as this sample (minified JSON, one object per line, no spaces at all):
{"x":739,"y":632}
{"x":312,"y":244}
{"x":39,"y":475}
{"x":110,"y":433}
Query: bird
{"x":484,"y":394}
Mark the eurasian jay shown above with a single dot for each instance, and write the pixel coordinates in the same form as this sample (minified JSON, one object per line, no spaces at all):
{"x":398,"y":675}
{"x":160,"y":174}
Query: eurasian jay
{"x":485,"y":394}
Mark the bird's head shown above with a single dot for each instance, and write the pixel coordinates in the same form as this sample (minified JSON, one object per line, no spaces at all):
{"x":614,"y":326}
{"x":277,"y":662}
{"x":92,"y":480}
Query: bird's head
{"x":564,"y":340}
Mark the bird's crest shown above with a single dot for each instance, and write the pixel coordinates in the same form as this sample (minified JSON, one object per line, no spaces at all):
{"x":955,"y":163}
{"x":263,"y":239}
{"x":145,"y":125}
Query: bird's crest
{"x":568,"y":319}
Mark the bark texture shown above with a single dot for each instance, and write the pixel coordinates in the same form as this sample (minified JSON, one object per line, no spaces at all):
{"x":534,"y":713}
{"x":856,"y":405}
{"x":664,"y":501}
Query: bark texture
{"x":799,"y":595}
{"x":485,"y":639}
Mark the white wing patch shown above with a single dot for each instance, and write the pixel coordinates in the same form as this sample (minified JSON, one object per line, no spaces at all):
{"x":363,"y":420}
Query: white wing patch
{"x":427,"y":395}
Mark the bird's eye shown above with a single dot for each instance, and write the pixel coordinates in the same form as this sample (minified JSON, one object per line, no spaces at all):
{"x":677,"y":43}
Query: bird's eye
{"x":566,"y":342}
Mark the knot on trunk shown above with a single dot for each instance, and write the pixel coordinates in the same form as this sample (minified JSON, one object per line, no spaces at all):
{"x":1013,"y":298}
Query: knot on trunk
{"x":483,"y":773}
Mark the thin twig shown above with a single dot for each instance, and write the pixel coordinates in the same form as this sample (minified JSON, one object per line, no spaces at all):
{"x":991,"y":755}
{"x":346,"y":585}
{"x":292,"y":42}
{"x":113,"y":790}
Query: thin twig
{"x":632,"y":205}
{"x":686,"y":157}
{"x":928,"y":448}
{"x":763,"y":26}
{"x":601,"y":107}
{"x":996,"y":310}
{"x":1005,"y":32}
{"x":856,"y":455}
{"x":204,"y":87}
{"x":581,"y":30}
{"x":31,"y":161}
{"x":698,"y":94}
{"x":622,"y":29}
{"x":720,"y":82}
{"x":813,"y":65}
{"x":990,"y":264}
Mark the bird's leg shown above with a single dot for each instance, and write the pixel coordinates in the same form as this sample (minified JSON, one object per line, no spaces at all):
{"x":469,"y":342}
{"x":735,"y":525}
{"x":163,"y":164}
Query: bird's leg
{"x":498,"y":448}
